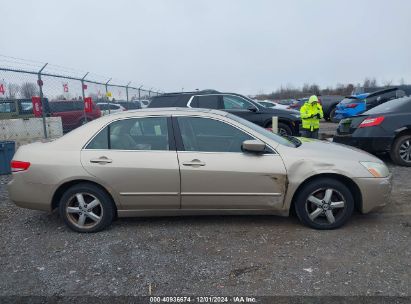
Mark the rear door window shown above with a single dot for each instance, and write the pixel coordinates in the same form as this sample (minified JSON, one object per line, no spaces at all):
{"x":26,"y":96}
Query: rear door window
{"x":147,"y":133}
{"x":206,"y":102}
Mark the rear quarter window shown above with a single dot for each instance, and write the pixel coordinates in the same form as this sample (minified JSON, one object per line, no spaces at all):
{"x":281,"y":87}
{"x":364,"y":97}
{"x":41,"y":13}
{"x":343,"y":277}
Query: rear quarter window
{"x":164,"y":101}
{"x":206,"y":102}
{"x":7,"y":107}
{"x":61,"y":106}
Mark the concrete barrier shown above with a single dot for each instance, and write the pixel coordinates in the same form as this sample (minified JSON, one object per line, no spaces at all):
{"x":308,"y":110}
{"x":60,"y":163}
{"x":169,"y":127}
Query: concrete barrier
{"x":24,"y":131}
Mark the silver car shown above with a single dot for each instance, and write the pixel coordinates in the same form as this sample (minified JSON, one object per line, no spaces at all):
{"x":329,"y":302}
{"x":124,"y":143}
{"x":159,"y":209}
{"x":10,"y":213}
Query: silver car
{"x":189,"y":162}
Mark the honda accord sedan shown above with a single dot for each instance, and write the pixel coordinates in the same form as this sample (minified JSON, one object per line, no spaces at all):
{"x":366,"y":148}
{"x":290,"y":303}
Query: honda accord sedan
{"x":180,"y":161}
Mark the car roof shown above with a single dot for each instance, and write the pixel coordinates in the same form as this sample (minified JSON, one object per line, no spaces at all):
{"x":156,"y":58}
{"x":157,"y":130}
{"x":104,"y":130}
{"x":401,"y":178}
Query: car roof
{"x":203,"y":92}
{"x":171,"y":110}
{"x":382,"y":92}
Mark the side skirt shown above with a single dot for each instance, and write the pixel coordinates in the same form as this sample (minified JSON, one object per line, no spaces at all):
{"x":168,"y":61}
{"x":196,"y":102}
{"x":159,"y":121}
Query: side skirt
{"x":190,"y":212}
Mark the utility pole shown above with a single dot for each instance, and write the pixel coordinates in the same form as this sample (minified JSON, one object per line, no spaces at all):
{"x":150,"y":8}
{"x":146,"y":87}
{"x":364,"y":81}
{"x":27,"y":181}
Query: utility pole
{"x":84,"y":97}
{"x":127,"y":89}
{"x":43,"y":109}
{"x":107,"y":96}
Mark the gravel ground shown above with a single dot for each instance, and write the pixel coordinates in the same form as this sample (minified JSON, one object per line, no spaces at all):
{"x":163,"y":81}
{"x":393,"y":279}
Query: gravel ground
{"x":219,"y":255}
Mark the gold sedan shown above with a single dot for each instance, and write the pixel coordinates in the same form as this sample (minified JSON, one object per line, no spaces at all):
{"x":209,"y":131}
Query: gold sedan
{"x":191,"y":162}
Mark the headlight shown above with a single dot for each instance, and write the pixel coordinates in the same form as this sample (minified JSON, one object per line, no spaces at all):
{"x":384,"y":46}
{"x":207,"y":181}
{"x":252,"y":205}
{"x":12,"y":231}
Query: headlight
{"x":376,"y":169}
{"x":296,"y":115}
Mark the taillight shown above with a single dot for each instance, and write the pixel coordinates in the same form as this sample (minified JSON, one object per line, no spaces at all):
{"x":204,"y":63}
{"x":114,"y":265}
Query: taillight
{"x":351,"y":105}
{"x":371,"y":122}
{"x":18,"y":166}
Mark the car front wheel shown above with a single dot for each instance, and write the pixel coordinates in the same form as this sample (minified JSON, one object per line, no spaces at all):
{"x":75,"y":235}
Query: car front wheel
{"x":401,"y":151}
{"x":283,"y":129}
{"x":324,"y":204}
{"x":86,"y":208}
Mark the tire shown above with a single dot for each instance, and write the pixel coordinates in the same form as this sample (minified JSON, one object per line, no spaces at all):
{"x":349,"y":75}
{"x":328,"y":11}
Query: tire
{"x":319,"y":207}
{"x":283,"y":129}
{"x":93,"y":214}
{"x":401,"y":151}
{"x":331,"y":115}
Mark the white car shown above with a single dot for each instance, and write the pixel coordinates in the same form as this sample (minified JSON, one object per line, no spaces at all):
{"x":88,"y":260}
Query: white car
{"x":109,"y":107}
{"x":272,"y":104}
{"x":144,"y":103}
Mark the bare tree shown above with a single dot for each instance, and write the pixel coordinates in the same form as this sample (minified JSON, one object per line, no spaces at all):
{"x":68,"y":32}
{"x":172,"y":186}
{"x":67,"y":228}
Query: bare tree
{"x":367,"y":83}
{"x":28,"y":90}
{"x":13,"y":90}
{"x":373,"y":83}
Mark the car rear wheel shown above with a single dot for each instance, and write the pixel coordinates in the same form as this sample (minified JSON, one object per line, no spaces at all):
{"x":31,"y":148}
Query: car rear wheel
{"x":324,"y":204}
{"x":86,"y":208}
{"x":401,"y":151}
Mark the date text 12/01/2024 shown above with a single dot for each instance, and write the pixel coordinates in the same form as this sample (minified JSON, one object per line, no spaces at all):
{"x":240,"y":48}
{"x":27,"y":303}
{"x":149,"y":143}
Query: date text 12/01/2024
{"x":203,"y":299}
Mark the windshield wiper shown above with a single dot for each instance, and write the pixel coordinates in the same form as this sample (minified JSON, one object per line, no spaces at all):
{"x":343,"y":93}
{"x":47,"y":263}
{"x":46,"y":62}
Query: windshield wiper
{"x":294,"y":140}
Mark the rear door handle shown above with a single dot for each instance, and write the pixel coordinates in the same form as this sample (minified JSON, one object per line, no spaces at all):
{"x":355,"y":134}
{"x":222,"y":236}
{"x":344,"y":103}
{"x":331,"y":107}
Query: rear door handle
{"x":101,"y":160}
{"x":194,"y":163}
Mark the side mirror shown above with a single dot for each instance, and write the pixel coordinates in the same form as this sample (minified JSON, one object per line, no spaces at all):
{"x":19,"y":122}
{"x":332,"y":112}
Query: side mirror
{"x":253,"y":145}
{"x":252,"y":109}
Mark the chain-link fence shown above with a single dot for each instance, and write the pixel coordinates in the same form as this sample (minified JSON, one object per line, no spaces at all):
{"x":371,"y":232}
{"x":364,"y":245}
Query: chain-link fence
{"x":41,"y":102}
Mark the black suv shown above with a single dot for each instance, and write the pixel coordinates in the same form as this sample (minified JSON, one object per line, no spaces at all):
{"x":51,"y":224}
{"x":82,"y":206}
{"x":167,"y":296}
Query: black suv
{"x":288,"y":120}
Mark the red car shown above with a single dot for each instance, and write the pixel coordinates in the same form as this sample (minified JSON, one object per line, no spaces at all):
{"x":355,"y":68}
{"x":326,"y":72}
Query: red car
{"x":72,"y":113}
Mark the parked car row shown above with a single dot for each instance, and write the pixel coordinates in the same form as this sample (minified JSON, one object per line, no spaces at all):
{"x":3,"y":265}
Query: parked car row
{"x":355,"y":105}
{"x":383,"y":129}
{"x":71,"y":111}
{"x":242,"y":106}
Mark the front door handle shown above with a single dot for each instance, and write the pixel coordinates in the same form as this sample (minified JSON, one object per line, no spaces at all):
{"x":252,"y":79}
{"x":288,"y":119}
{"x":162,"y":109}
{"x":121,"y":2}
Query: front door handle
{"x":194,"y":163}
{"x":101,"y":160}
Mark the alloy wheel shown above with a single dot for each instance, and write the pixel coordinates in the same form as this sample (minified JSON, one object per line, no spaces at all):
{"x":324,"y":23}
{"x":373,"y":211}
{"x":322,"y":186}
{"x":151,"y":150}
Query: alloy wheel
{"x":282,"y":132}
{"x":84,"y":210}
{"x":325,"y":206}
{"x":405,"y":151}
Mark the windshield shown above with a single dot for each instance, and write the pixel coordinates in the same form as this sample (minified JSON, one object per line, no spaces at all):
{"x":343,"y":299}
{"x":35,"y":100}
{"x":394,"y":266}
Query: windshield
{"x":292,"y":142}
{"x":396,"y":105}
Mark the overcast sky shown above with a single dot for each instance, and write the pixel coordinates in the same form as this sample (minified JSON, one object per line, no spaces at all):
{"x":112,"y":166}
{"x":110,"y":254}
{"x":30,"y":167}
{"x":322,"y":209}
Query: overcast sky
{"x":229,"y":45}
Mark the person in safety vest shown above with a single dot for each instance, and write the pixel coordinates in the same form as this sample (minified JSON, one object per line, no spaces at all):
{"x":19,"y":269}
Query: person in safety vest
{"x":311,"y":113}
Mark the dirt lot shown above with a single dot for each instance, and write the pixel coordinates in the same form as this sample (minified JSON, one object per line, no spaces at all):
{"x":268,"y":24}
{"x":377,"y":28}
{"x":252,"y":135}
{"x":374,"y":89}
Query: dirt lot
{"x":230,"y":255}
{"x":219,"y":255}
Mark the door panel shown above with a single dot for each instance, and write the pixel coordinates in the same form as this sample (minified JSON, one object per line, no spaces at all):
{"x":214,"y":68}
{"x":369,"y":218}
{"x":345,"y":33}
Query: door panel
{"x":137,"y":158}
{"x":231,"y":180}
{"x":217,"y":174}
{"x":142,"y":179}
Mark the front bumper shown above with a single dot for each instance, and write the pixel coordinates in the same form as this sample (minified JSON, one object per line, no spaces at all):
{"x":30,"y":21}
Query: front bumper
{"x":375,"y":192}
{"x":369,"y":144}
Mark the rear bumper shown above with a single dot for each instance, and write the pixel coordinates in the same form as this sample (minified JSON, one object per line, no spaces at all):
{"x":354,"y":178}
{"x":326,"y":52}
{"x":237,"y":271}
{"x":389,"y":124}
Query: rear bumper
{"x":376,"y":192}
{"x":369,"y":144}
{"x":30,"y":195}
